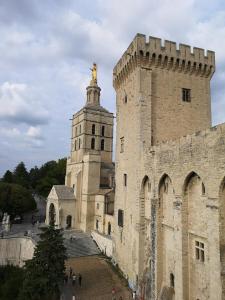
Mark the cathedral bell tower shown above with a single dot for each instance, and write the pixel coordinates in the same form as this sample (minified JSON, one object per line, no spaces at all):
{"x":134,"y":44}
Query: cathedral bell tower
{"x":91,"y":152}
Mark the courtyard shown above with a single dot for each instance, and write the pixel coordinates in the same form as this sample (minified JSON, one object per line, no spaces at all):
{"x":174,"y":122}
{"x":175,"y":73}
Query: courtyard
{"x":99,"y":278}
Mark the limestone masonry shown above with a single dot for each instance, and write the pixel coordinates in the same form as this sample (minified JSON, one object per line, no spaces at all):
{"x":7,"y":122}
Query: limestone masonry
{"x":167,"y":222}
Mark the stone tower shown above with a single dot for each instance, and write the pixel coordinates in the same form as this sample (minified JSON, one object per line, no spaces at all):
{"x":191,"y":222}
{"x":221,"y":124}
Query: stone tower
{"x":162,"y":94}
{"x":91,"y":150}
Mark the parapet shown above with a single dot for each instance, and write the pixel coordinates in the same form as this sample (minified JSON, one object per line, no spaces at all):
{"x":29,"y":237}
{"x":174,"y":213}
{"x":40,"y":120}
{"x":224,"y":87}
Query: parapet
{"x":152,"y":53}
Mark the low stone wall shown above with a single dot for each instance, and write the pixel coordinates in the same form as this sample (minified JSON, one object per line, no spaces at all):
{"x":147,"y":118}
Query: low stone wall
{"x":104,"y":242}
{"x":16,"y":250}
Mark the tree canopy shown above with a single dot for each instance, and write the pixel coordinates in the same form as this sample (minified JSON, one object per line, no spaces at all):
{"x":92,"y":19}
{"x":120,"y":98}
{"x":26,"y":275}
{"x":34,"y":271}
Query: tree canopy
{"x":44,"y":273}
{"x":15,"y":199}
{"x":40,"y":180}
{"x":11,"y":280}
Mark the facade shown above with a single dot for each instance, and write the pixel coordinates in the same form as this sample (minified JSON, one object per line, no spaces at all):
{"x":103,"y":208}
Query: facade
{"x":86,"y":201}
{"x":168,"y":218}
{"x":170,"y":173}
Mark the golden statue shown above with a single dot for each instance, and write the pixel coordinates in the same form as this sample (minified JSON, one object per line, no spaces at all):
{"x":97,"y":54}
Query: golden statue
{"x":94,"y":73}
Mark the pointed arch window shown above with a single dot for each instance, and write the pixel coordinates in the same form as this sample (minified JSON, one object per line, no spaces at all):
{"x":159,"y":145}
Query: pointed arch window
{"x":92,"y":143}
{"x":103,"y":130}
{"x":102,"y":145}
{"x":93,"y":129}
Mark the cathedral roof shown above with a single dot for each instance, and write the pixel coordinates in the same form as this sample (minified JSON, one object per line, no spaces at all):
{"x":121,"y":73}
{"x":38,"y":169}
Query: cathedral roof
{"x":64,"y":192}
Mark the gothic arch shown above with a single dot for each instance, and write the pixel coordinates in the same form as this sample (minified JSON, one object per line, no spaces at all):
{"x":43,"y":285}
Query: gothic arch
{"x":144,"y":236}
{"x":194,"y":232}
{"x":165,"y":234}
{"x":52,"y":215}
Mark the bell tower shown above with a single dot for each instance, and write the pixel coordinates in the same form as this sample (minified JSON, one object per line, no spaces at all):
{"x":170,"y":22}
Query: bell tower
{"x":91,"y":151}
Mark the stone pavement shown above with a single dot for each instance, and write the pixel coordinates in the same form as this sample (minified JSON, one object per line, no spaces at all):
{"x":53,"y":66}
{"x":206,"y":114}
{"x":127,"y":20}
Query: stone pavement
{"x":98,"y":280}
{"x":79,"y":244}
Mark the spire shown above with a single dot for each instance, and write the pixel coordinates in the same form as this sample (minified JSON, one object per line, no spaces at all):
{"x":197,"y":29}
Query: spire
{"x":93,"y":90}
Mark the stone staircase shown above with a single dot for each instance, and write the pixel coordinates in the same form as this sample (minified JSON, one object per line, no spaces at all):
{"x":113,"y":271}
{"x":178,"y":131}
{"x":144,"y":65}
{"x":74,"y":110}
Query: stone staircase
{"x":79,"y":244}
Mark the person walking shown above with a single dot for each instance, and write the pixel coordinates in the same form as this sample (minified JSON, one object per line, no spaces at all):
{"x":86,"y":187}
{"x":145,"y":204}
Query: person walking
{"x":73,"y":279}
{"x":80,"y":279}
{"x":71,"y":272}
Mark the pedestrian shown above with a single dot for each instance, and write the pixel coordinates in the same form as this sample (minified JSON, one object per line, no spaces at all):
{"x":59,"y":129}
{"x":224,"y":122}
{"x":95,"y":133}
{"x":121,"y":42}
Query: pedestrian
{"x":71,"y":272}
{"x":66,"y":278}
{"x":73,"y":279}
{"x":113,"y":294}
{"x":80,"y":279}
{"x":134,"y":295}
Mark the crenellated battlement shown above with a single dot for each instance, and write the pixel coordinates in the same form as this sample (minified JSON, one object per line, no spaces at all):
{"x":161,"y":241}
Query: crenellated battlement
{"x":152,"y":53}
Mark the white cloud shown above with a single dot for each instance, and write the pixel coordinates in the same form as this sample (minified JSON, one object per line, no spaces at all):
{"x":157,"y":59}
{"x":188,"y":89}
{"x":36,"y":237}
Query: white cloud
{"x":50,"y":45}
{"x":19,"y":105}
{"x":34,"y":132}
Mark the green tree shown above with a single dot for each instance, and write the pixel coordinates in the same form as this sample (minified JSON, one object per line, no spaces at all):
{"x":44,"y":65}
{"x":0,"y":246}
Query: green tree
{"x":8,"y":177}
{"x":44,"y":273}
{"x":34,"y":176}
{"x":11,"y":280}
{"x":15,"y":199}
{"x":21,"y":176}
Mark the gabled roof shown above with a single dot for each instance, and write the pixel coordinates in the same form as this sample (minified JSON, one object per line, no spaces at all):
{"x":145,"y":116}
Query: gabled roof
{"x":64,"y":192}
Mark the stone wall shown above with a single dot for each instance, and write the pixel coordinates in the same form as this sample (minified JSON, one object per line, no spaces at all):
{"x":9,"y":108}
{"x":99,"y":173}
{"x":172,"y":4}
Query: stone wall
{"x":104,"y":242}
{"x":16,"y":250}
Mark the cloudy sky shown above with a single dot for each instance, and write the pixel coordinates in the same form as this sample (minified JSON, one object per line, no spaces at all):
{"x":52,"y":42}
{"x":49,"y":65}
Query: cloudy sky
{"x":48,"y":46}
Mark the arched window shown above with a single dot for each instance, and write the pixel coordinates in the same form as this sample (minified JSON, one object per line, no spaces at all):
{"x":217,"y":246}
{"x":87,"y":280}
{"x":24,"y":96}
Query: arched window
{"x":102,"y":145}
{"x":79,"y":143}
{"x":103,"y":130}
{"x":93,"y":129}
{"x":172,"y":282}
{"x":92,"y":143}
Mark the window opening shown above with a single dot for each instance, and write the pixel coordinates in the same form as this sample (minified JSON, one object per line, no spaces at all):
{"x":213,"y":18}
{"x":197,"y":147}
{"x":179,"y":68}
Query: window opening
{"x":103,"y":130}
{"x":199,"y":251}
{"x":93,"y":129}
{"x":102,"y":145}
{"x":186,"y":95}
{"x":125,"y":179}
{"x":92,"y":143}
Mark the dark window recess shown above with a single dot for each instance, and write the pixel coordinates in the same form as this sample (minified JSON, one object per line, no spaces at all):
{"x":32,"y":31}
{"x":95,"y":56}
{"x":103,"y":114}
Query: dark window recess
{"x":120,"y":217}
{"x":102,"y":145}
{"x":186,"y":95}
{"x":93,"y":129}
{"x":172,"y":281}
{"x":103,"y":130}
{"x":79,"y":143}
{"x":125,"y":179}
{"x":92,"y":143}
{"x":203,"y":189}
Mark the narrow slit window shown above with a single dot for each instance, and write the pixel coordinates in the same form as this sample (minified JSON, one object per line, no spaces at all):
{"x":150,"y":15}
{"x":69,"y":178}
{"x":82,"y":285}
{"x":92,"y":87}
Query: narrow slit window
{"x":103,"y":130}
{"x":102,"y":145}
{"x":93,"y":129}
{"x":125,"y":179}
{"x":92,"y":143}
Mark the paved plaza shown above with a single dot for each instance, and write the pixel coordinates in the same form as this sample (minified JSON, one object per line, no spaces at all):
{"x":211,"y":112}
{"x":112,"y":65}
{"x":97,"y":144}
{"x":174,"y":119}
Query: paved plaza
{"x":98,"y":280}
